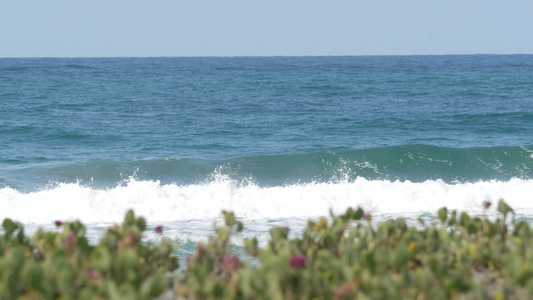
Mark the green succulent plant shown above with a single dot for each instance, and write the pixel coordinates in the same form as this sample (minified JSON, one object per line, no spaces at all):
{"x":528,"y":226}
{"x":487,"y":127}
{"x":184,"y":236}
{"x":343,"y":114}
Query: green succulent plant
{"x":63,"y":265}
{"x":337,"y":257}
{"x":348,"y":257}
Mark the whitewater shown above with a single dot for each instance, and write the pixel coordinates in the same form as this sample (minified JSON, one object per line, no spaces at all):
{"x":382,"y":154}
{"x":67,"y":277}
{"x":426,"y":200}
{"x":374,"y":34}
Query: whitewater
{"x":170,"y":202}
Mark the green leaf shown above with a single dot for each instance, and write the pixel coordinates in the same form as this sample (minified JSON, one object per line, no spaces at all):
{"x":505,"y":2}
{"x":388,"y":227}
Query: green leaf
{"x":240,"y":226}
{"x":65,"y":282}
{"x":229,"y":219}
{"x":223,"y":235}
{"x":464,"y":219}
{"x":101,"y":258}
{"x":452,"y":220}
{"x":32,"y":275}
{"x":154,"y":286}
{"x":129,"y":219}
{"x":504,"y":208}
{"x":443,"y":214}
{"x":250,"y":246}
{"x":9,"y":226}
{"x":358,"y":214}
{"x":141,"y":223}
{"x":400,"y":257}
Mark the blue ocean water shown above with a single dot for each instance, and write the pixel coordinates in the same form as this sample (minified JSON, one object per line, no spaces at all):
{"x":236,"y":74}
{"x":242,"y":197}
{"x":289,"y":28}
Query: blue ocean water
{"x":276,"y":139}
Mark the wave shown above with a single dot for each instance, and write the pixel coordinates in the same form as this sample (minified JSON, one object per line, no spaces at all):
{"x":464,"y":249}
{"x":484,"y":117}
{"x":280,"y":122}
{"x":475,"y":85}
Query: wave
{"x":172,"y":202}
{"x":416,"y":163}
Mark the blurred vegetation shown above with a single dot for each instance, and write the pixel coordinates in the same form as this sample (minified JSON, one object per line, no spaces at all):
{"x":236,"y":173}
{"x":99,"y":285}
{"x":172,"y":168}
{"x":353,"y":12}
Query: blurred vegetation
{"x":337,"y":257}
{"x":63,"y":265}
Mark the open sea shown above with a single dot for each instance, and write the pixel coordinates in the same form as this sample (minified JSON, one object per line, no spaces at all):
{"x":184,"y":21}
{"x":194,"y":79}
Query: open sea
{"x":277,"y":140}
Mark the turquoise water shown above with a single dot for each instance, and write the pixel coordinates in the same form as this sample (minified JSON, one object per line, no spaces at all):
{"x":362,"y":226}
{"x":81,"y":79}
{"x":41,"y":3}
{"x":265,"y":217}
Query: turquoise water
{"x":276,"y":139}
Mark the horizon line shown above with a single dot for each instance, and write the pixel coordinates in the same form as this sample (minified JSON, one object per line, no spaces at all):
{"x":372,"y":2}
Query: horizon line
{"x":261,"y":56}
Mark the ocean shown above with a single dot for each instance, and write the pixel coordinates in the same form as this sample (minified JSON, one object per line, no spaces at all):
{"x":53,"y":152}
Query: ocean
{"x":277,"y":140}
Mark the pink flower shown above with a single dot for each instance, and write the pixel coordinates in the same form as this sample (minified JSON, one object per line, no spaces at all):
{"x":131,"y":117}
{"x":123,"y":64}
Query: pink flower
{"x":486,"y":204}
{"x":230,"y":263}
{"x":159,"y":229}
{"x":58,"y":223}
{"x":286,"y":229}
{"x":298,"y":261}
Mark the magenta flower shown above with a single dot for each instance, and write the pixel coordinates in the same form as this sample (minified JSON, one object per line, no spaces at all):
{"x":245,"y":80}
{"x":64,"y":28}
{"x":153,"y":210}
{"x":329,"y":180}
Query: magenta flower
{"x":58,"y":223}
{"x":298,"y":261}
{"x":230,"y":263}
{"x":486,"y":204}
{"x":159,"y":229}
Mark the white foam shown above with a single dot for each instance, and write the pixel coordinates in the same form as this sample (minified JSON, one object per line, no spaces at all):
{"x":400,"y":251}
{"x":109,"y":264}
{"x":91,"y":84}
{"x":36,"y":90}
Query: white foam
{"x":170,"y":202}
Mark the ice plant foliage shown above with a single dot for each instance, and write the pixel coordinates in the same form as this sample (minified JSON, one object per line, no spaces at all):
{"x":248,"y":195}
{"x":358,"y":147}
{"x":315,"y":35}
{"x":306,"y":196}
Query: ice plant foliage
{"x":63,"y":265}
{"x":349,"y":257}
{"x":346,"y":256}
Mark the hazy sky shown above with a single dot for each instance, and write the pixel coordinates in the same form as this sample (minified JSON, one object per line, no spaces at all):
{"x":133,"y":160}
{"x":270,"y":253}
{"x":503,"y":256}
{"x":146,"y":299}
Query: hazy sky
{"x":76,"y":28}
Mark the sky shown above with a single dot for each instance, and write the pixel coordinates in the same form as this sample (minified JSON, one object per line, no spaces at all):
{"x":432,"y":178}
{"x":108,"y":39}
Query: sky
{"x":142,"y":28}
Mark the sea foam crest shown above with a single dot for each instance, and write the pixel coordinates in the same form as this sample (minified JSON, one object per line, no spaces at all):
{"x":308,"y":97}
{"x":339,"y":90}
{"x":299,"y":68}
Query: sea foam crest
{"x":171,"y":202}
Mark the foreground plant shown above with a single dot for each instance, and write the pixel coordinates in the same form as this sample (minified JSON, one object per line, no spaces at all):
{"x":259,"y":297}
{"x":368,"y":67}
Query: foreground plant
{"x":348,"y":257}
{"x":341,"y":257}
{"x":63,"y":265}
